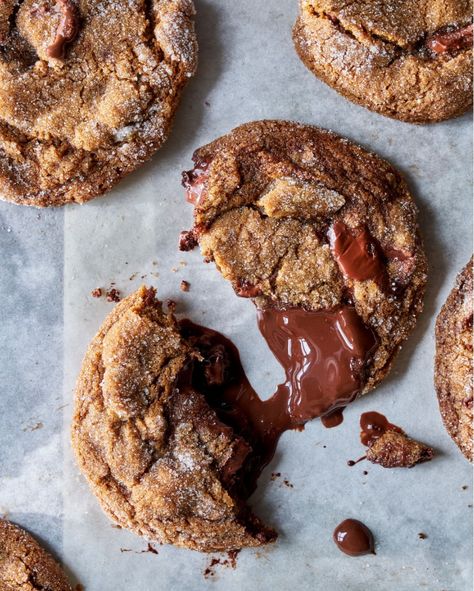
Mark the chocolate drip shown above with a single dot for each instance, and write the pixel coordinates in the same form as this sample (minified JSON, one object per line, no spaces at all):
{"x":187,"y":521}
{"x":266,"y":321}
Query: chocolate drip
{"x":451,"y":40}
{"x":67,"y":29}
{"x":357,"y":253}
{"x":333,"y":419}
{"x":373,"y":425}
{"x":324,"y":355}
{"x":354,"y":538}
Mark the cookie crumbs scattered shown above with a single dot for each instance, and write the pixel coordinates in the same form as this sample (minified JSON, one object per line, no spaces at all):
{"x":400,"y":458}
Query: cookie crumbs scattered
{"x":154,"y":263}
{"x":115,"y":526}
{"x":132,"y":276}
{"x":175,"y":269}
{"x":229,"y":562}
{"x":183,"y":263}
{"x":287,"y":483}
{"x":185,"y":286}
{"x":422,"y":536}
{"x":125,"y":550}
{"x":465,"y":487}
{"x":96,"y":293}
{"x":113,"y":295}
{"x":171,"y":304}
{"x":275,"y":475}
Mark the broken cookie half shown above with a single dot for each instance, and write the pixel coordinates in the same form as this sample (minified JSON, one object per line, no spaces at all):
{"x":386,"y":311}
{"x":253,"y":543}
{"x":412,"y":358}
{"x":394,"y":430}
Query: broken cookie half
{"x":153,"y":448}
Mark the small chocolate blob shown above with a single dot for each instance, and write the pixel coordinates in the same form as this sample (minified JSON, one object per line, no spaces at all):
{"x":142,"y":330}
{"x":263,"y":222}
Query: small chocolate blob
{"x":354,"y":538}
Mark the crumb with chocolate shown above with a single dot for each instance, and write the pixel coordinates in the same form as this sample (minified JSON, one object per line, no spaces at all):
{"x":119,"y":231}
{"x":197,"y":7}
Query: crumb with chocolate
{"x":113,"y":295}
{"x":96,"y":293}
{"x":410,"y":60}
{"x":185,"y":286}
{"x":388,"y":445}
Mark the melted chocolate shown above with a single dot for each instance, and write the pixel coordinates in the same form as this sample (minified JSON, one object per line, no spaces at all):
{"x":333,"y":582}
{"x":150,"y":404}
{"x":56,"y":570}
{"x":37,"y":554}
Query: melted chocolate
{"x":351,"y":463}
{"x":354,"y":538}
{"x":373,"y":425}
{"x":333,"y":419}
{"x":451,"y":40}
{"x":357,"y":253}
{"x":67,"y":29}
{"x":324,"y":355}
{"x":194,"y":181}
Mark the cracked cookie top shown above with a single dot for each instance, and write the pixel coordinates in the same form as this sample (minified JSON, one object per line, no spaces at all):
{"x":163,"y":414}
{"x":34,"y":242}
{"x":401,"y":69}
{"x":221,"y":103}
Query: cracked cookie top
{"x":87,"y":92}
{"x":24,"y":565}
{"x":155,"y":453}
{"x":408,"y":59}
{"x":296,"y":217}
{"x":454,"y":362}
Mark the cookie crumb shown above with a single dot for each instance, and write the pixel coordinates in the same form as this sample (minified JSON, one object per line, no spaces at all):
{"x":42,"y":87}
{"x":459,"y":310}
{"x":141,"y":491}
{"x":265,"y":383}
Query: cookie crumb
{"x":422,"y":536}
{"x":96,"y":293}
{"x":113,"y":295}
{"x":185,"y":286}
{"x":287,"y":483}
{"x":151,"y":549}
{"x":275,"y":475}
{"x":229,"y":562}
{"x":171,"y":304}
{"x":465,"y":487}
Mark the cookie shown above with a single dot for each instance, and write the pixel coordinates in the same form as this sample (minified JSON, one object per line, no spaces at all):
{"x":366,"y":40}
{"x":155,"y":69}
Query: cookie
{"x":25,"y":565}
{"x":323,"y":236}
{"x":389,"y":445}
{"x":408,"y":59}
{"x":155,"y":453}
{"x":87,"y":92}
{"x":453,"y":362}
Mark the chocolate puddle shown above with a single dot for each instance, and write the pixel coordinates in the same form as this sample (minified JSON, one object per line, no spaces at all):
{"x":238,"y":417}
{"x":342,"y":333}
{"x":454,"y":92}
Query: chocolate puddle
{"x":323,"y":355}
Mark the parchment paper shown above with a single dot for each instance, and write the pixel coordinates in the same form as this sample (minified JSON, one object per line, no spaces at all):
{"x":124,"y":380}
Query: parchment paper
{"x":53,"y":259}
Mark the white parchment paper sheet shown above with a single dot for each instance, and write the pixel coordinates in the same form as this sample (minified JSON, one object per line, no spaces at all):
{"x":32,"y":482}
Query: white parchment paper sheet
{"x":249,"y":70}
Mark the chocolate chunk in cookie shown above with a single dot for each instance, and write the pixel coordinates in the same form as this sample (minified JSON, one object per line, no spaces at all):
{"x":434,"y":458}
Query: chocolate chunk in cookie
{"x":408,"y":59}
{"x":25,"y":565}
{"x":323,"y":236}
{"x":88,"y":91}
{"x":454,"y":362}
{"x":152,"y":446}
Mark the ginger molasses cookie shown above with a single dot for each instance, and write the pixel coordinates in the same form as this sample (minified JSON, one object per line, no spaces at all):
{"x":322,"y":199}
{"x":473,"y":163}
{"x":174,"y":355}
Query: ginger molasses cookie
{"x":407,"y":59}
{"x":88,"y":91}
{"x":323,"y":236}
{"x":24,"y":565}
{"x":154,"y":450}
{"x":454,"y":362}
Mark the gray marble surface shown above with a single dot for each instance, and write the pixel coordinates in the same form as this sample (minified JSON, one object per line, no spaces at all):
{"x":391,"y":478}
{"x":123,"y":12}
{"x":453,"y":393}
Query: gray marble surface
{"x":53,"y":259}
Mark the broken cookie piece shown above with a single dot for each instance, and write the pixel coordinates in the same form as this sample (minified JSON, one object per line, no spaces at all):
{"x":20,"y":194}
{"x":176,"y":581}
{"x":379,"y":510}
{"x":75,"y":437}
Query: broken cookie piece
{"x":158,"y":456}
{"x":323,"y":237}
{"x":388,"y":445}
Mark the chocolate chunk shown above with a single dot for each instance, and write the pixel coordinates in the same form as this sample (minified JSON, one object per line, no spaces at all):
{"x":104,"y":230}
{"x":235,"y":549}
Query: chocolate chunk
{"x":67,"y":29}
{"x":354,"y":538}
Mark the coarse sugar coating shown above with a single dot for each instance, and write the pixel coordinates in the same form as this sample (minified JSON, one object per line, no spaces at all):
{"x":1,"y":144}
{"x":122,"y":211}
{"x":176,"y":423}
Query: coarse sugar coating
{"x":296,"y":216}
{"x":78,"y":115}
{"x":154,"y":452}
{"x":407,"y":59}
{"x":454,"y":362}
{"x":25,"y":565}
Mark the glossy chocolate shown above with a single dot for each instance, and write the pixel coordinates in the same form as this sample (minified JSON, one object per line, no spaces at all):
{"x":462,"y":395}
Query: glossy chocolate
{"x":67,"y":29}
{"x":334,"y":418}
{"x":452,"y":40}
{"x":354,"y":538}
{"x":357,"y":253}
{"x":194,"y":181}
{"x":324,"y":355}
{"x":373,"y":425}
